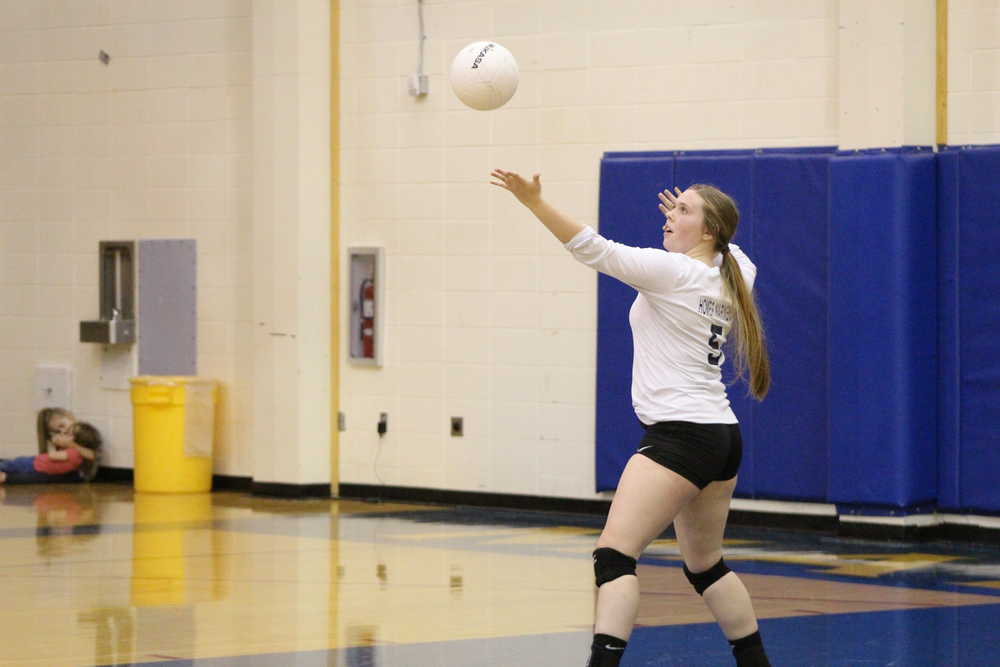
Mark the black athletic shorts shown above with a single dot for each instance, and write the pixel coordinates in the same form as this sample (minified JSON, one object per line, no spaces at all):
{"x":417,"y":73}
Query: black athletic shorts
{"x":700,"y":453}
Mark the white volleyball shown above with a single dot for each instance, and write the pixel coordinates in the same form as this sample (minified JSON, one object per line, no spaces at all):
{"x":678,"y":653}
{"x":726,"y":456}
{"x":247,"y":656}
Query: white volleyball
{"x":484,"y":75}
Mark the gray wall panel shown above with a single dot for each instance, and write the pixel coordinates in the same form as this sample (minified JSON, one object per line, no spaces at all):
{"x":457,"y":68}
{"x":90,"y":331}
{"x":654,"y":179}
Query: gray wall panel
{"x":168,"y":307}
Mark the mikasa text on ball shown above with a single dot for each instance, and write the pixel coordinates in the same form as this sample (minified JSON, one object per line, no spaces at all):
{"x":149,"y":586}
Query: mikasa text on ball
{"x":484,"y":75}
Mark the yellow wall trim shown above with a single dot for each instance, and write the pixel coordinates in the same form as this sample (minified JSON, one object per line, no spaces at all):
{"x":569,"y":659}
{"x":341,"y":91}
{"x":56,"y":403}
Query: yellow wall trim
{"x":334,"y":246}
{"x":941,"y":100}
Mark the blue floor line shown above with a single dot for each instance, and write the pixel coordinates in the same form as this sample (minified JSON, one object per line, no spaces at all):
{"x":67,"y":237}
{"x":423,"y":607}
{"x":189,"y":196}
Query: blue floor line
{"x":911,"y":638}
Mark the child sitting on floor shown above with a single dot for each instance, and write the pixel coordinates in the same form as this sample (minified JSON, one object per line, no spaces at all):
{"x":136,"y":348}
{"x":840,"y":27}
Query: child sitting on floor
{"x":71,"y":455}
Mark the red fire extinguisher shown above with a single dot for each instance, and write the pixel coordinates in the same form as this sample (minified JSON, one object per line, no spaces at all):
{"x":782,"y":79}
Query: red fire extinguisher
{"x":368,"y":318}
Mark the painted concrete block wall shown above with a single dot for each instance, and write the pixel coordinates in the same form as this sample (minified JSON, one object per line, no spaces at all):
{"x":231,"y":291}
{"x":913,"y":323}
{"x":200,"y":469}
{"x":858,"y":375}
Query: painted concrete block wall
{"x":488,"y":318}
{"x":156,"y":144}
{"x":887,"y":73}
{"x":973,"y":72}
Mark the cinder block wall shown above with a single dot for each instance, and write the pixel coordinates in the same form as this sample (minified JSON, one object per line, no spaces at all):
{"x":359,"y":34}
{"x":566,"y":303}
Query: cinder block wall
{"x":973,"y":72}
{"x":155,"y":144}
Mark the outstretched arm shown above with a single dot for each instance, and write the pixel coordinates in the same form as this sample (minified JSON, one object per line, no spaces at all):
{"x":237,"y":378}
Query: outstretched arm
{"x":641,"y":268}
{"x":529,"y":193}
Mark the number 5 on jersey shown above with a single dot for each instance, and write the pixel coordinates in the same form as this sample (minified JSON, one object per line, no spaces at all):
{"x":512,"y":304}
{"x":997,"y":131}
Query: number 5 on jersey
{"x":713,"y":343}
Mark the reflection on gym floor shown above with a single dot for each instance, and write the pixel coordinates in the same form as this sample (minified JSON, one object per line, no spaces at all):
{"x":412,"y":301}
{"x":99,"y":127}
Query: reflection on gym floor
{"x":97,"y":575}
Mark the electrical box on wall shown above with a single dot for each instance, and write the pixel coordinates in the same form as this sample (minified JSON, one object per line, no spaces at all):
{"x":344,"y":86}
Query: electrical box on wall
{"x":53,"y":385}
{"x":365,"y":296}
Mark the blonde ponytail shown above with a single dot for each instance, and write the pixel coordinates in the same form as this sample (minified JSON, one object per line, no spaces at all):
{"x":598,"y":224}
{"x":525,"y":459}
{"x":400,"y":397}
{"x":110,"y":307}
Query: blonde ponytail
{"x":748,"y":332}
{"x":721,"y":220}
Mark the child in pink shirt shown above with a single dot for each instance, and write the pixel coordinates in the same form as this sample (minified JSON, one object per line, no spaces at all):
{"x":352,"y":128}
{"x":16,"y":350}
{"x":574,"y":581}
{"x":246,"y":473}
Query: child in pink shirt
{"x":70,"y":457}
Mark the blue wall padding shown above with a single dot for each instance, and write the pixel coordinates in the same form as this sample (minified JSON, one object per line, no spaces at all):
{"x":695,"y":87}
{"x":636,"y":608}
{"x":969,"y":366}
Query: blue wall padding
{"x":970,"y":321}
{"x":883,"y":329}
{"x":796,"y":285}
{"x":949,"y":431}
{"x":791,"y":443}
{"x":878,"y":285}
{"x":628,"y":214}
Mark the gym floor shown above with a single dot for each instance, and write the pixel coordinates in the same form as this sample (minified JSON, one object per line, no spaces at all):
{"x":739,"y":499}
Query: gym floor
{"x":97,"y":575}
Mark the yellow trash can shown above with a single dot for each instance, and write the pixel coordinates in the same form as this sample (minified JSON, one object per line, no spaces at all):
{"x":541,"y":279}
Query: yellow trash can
{"x":173,"y":420}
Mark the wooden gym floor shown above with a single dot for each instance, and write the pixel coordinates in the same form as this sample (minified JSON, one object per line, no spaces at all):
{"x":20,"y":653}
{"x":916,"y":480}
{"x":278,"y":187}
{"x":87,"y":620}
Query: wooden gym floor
{"x":97,"y":575}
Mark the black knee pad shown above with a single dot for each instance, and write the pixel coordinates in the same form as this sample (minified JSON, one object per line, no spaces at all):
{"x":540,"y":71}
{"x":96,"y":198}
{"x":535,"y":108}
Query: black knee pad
{"x":609,"y":564}
{"x":702,"y":580}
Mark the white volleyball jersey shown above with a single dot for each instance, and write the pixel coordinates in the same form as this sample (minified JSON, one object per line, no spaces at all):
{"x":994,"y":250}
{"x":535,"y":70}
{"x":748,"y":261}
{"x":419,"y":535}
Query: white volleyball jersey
{"x":680,"y":321}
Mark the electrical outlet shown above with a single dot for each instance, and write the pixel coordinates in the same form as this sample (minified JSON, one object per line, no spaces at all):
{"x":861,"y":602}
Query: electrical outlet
{"x":457,"y":427}
{"x":383,"y":423}
{"x":341,"y":422}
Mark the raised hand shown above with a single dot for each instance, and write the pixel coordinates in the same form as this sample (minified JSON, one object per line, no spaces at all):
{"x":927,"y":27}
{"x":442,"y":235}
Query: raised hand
{"x":527,"y":192}
{"x":668,"y":200}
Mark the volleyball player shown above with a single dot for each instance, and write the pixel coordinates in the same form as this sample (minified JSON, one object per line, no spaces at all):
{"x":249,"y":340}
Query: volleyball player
{"x":684,"y":469}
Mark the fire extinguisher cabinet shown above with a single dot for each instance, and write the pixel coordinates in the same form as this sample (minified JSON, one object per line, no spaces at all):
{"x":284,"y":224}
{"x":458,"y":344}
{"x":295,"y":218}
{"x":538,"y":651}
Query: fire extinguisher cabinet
{"x":365,"y":296}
